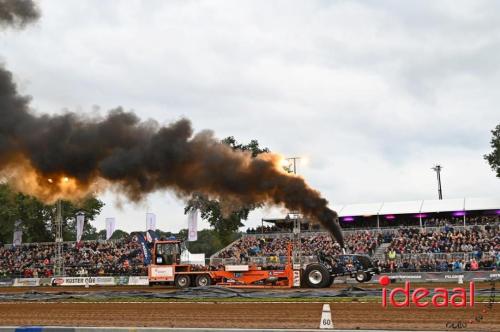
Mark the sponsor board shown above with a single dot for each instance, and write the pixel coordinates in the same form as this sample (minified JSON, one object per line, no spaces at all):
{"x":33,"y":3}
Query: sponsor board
{"x":440,"y":276}
{"x":82,"y":281}
{"x":6,"y":282}
{"x":162,"y":272}
{"x":45,"y":281}
{"x":296,"y":278}
{"x":121,"y":280}
{"x":138,"y":281}
{"x":26,"y":282}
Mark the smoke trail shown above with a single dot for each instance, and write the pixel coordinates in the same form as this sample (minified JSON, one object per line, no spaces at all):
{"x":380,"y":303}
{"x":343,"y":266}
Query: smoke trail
{"x":69,"y":156}
{"x":18,"y":13}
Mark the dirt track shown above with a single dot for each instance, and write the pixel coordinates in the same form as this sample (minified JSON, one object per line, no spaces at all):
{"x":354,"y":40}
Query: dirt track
{"x":249,"y":315}
{"x":479,"y":285}
{"x":349,"y":315}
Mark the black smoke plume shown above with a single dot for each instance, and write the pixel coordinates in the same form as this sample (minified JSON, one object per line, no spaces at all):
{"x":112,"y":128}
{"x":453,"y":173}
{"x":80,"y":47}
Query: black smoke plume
{"x":66,"y":155}
{"x":18,"y":13}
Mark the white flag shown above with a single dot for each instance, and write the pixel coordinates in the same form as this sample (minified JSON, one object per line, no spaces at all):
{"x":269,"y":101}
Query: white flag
{"x":18,"y":233}
{"x":80,"y":219}
{"x":18,"y":238}
{"x":150,"y":221}
{"x":110,"y":227}
{"x":193,"y":225}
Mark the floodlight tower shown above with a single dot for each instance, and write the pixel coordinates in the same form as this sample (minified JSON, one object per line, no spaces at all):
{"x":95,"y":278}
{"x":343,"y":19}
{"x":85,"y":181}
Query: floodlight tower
{"x":293,"y":161}
{"x":296,"y":219}
{"x":59,"y":259}
{"x":438,"y":169}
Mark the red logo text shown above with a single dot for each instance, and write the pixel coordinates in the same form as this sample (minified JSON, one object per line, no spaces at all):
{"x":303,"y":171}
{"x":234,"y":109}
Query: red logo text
{"x":441,"y":297}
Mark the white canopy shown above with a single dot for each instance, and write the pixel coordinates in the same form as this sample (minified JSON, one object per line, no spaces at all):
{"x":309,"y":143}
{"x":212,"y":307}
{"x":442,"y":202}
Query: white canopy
{"x":490,"y":203}
{"x":400,"y":207}
{"x":369,"y":209}
{"x":420,"y":206}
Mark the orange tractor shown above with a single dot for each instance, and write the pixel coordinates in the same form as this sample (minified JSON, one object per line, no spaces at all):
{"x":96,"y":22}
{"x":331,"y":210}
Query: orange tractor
{"x":166,"y":267}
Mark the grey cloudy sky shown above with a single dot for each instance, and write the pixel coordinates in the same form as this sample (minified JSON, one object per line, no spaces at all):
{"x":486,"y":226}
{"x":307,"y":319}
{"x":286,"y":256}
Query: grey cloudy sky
{"x":373,"y":93}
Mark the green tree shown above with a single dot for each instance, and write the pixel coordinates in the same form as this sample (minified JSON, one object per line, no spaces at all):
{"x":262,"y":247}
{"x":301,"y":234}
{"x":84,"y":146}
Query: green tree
{"x":225,"y":226}
{"x":38,"y":217}
{"x":494,"y":157}
{"x":208,"y":241}
{"x":101,"y":235}
{"x":119,"y":234}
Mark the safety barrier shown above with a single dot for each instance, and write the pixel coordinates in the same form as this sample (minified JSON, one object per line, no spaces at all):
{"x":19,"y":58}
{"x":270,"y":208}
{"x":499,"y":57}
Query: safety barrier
{"x":143,"y":280}
{"x":76,"y":281}
{"x":441,"y":276}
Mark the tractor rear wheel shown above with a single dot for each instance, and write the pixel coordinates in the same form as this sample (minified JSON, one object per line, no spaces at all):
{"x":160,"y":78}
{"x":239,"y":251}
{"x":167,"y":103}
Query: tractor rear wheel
{"x":203,"y":280}
{"x":361,"y":276}
{"x":182,"y":281}
{"x":317,"y":276}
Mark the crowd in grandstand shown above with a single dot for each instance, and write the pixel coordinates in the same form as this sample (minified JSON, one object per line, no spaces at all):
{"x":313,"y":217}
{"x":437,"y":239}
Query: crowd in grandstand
{"x":252,"y":246}
{"x":413,"y":220}
{"x":446,"y":240}
{"x":410,"y":249}
{"x":92,"y":258}
{"x":449,"y":247}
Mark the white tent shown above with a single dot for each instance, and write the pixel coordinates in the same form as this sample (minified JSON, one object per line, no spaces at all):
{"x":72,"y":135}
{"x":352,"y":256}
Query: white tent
{"x":474,"y":204}
{"x":419,"y":206}
{"x":404,"y":207}
{"x":443,"y":205}
{"x":369,"y":209}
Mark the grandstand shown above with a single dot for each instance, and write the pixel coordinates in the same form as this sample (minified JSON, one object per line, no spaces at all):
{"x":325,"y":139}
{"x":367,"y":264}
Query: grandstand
{"x":427,"y":235}
{"x":447,"y":235}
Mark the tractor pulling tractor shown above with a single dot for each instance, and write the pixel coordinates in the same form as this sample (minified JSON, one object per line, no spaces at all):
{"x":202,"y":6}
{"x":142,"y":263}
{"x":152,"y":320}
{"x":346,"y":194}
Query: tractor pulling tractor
{"x":168,"y":268}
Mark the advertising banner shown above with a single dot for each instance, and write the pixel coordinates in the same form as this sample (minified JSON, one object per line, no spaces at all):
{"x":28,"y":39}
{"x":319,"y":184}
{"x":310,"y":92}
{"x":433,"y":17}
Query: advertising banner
{"x":441,"y":276}
{"x":6,"y":282}
{"x":166,"y":272}
{"x":150,"y":221}
{"x":26,"y":282}
{"x":138,"y":281}
{"x":122,"y":280}
{"x":45,"y":281}
{"x":80,"y":220}
{"x":18,"y":233}
{"x":110,"y":227}
{"x":193,"y":225}
{"x":146,"y":252}
{"x":82,"y":281}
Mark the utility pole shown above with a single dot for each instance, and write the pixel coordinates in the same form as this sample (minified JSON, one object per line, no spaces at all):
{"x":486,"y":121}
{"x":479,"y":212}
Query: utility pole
{"x":293,"y":161}
{"x":438,"y":169}
{"x":59,"y":259}
{"x":296,"y":219}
